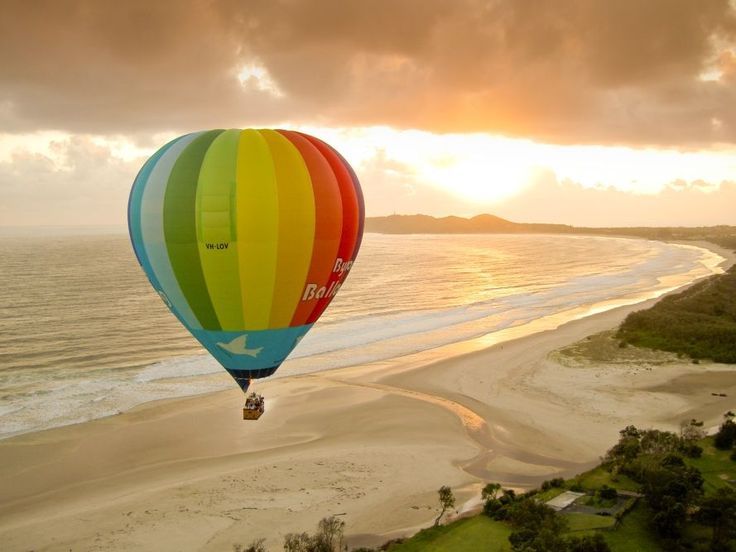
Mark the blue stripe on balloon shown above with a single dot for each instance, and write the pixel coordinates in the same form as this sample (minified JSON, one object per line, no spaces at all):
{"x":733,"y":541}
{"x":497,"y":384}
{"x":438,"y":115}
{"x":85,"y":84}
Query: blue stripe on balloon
{"x":134,"y":205}
{"x":158,"y":265}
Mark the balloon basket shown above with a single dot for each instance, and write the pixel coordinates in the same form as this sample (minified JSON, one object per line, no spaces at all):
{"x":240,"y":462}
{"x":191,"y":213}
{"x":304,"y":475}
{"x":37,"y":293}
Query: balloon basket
{"x":250,"y":414}
{"x":254,"y":407}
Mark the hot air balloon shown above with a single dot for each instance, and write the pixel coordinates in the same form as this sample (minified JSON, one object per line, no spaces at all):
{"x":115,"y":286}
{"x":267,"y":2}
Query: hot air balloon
{"x":247,"y":235}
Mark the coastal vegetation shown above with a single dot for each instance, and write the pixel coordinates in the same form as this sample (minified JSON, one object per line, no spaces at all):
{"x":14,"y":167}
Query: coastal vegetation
{"x":699,"y":322}
{"x":328,"y":538}
{"x":654,"y":490}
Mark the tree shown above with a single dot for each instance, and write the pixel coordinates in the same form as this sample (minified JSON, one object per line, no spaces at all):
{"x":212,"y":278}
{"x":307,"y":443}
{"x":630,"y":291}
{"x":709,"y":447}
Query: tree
{"x":626,"y":449}
{"x":490,"y":491}
{"x":692,"y":430}
{"x":655,"y":441}
{"x":670,"y":488}
{"x":255,"y":546}
{"x":496,"y":506}
{"x":607,"y":493}
{"x":719,"y":512}
{"x":298,"y":542}
{"x":330,"y":535}
{"x":546,"y":538}
{"x":529,"y":514}
{"x":726,"y":435}
{"x":329,"y":538}
{"x":630,"y":431}
{"x":536,"y":527}
{"x":670,"y":518}
{"x":588,"y":543}
{"x":447,"y":500}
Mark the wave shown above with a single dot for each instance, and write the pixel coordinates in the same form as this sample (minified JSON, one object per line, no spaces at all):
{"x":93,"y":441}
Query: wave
{"x":380,"y":315}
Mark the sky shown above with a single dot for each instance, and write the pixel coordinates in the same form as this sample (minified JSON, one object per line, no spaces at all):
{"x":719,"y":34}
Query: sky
{"x":585,"y":112}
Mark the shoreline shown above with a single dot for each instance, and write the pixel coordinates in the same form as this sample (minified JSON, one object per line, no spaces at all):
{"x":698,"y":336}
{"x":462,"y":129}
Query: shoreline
{"x":206,"y":378}
{"x":373,"y":441}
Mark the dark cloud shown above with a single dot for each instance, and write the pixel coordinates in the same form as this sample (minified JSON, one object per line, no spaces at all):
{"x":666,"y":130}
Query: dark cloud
{"x":603,"y":71}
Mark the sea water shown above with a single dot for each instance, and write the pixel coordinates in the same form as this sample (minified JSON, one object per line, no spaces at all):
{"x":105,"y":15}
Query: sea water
{"x":82,"y":334}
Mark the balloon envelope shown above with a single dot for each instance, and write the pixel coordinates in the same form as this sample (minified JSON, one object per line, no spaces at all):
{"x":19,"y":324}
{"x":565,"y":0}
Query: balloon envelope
{"x":246,"y":235}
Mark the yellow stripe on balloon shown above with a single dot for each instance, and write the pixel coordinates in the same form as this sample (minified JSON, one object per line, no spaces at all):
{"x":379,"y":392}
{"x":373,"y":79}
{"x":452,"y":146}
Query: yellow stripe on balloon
{"x":217,"y":241}
{"x":296,"y":227}
{"x":257,"y":228}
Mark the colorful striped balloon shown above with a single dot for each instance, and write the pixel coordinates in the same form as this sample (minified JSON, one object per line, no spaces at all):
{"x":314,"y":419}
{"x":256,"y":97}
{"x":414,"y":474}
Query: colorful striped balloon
{"x":246,"y":235}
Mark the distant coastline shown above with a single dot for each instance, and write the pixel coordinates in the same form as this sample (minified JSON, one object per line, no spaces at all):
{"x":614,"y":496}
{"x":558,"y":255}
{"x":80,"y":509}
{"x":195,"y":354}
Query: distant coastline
{"x":491,"y":224}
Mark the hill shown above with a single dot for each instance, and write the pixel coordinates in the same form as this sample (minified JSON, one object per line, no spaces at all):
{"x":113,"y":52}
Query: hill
{"x":481,"y":224}
{"x":491,"y":224}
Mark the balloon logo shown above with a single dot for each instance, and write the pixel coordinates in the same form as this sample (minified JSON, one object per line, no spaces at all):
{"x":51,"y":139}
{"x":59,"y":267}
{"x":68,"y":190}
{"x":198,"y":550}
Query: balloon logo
{"x":247,"y":235}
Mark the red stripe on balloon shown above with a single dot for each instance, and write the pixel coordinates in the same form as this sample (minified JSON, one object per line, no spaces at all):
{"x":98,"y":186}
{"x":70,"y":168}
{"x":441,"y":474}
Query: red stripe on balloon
{"x":328,"y":225}
{"x":350,"y":224}
{"x":361,"y":202}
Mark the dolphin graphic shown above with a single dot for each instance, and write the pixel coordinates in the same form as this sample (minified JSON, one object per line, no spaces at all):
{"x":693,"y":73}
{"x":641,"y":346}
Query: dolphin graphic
{"x":237,"y":347}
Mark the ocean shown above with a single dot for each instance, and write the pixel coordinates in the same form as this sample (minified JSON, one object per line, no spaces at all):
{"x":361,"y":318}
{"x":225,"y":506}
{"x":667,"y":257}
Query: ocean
{"x":83,"y":335}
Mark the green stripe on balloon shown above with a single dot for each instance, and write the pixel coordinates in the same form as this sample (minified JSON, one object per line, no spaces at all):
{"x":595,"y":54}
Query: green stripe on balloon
{"x":180,"y":229}
{"x":216,"y":232}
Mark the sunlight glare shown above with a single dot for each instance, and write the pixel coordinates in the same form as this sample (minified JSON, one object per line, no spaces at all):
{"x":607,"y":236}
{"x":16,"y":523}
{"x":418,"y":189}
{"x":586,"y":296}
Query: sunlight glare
{"x":489,"y":168}
{"x":256,"y":76}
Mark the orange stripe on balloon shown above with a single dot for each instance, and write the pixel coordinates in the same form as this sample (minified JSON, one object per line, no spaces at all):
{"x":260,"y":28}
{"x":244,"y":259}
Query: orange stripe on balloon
{"x":350,"y":221}
{"x":328,"y":227}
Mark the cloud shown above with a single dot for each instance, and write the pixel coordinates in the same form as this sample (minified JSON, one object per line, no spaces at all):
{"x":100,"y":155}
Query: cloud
{"x":680,"y":203}
{"x":85,"y":180}
{"x":584,"y":71}
{"x":77,"y":182}
{"x":391,"y":187}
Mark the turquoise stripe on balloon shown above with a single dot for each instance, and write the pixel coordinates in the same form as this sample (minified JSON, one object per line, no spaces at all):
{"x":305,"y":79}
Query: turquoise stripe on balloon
{"x":152,"y":206}
{"x":134,"y":206}
{"x":251,"y":350}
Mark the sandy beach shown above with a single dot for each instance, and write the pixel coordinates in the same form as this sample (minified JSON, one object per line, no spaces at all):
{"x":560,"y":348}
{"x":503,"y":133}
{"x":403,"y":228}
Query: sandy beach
{"x":371,"y":443}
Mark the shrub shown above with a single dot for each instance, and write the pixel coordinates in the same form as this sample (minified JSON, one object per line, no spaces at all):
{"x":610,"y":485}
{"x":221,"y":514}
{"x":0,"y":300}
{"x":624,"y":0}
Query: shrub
{"x":699,"y":322}
{"x":588,"y":543}
{"x":692,"y":450}
{"x":255,"y":546}
{"x":726,"y":435}
{"x":607,"y":493}
{"x":557,"y":482}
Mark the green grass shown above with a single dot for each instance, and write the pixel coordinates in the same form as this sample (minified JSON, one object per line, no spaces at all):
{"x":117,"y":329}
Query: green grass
{"x":466,"y":535}
{"x":597,"y":502}
{"x":597,"y":477}
{"x":549,"y":494}
{"x":588,"y":522}
{"x":715,"y":465}
{"x":633,"y":533}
